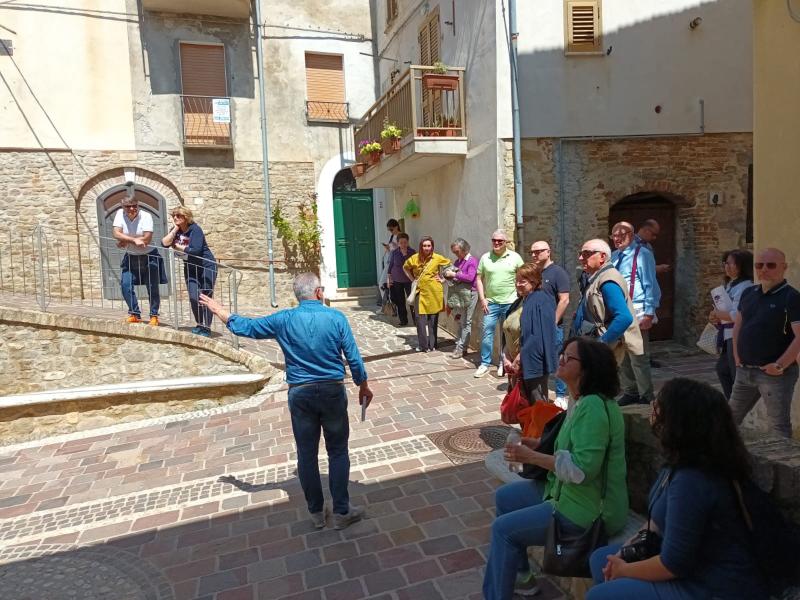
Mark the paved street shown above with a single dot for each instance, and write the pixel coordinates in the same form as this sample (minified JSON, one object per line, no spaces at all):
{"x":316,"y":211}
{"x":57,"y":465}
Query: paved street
{"x":210,"y":507}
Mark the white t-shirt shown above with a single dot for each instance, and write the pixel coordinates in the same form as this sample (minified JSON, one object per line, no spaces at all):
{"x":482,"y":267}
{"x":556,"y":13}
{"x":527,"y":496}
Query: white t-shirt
{"x":137,"y":227}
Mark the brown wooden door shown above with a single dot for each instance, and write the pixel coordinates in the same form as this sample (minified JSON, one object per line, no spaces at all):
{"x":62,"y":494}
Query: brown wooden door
{"x":635,"y":211}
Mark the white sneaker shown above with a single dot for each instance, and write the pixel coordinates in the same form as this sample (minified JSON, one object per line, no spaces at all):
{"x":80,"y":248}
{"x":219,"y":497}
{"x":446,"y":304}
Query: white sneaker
{"x":500,"y":370}
{"x":562,"y":402}
{"x":481,"y":371}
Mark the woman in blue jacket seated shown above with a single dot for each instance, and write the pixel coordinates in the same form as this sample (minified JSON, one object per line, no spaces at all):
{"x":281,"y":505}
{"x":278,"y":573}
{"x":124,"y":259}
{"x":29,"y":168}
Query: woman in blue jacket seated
{"x":199,"y":267}
{"x":697,"y":546}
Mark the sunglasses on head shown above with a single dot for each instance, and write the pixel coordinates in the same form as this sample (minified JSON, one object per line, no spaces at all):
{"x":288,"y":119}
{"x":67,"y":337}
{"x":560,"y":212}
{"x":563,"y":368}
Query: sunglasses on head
{"x":768,"y":265}
{"x":587,"y":253}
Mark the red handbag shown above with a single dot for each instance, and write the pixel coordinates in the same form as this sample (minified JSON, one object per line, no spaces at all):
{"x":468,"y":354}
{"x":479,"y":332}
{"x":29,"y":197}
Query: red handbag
{"x":513,"y":402}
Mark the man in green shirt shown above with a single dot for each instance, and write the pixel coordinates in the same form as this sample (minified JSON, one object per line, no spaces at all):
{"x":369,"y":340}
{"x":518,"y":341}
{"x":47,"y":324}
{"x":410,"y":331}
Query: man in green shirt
{"x":496,"y":292}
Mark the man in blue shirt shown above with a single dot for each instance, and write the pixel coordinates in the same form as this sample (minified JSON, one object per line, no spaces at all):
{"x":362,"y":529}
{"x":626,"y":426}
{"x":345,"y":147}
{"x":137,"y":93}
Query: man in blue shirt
{"x":636,"y":263}
{"x":313,"y":338}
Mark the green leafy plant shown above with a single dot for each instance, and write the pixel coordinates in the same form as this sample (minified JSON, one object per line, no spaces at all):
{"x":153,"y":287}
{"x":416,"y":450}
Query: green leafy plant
{"x":439,"y":67}
{"x":302,"y":240}
{"x":391,"y":132}
{"x":368,"y":147}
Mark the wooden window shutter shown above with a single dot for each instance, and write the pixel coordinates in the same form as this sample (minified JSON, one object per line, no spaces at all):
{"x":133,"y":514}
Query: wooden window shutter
{"x":429,"y":40}
{"x":203,"y":70}
{"x":582,"y":26}
{"x":324,"y":77}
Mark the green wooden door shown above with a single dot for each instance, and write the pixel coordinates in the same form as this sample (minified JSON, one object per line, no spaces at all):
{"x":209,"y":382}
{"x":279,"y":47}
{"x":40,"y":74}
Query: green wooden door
{"x":355,"y":239}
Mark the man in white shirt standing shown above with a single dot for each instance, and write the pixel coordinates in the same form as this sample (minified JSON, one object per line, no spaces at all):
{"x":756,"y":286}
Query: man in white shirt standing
{"x":141,"y":265}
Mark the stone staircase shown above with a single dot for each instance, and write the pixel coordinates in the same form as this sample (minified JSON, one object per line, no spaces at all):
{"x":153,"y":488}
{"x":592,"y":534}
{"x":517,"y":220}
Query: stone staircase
{"x":356,"y":296}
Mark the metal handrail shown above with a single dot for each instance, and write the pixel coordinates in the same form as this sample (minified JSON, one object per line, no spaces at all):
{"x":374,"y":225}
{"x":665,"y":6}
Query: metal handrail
{"x":54,"y":267}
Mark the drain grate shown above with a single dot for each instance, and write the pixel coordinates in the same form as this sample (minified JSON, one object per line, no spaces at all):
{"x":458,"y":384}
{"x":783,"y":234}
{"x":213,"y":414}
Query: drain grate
{"x":472,"y":443}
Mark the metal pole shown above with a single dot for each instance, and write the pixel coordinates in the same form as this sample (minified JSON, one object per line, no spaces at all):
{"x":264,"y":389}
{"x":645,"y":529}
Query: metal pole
{"x":264,"y":152}
{"x":517,"y":150}
{"x":40,"y":279}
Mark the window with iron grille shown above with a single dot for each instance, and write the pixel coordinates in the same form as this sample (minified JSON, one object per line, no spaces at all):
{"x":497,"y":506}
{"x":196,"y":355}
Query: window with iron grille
{"x":204,"y":88}
{"x":582,"y":27}
{"x":325,"y":88}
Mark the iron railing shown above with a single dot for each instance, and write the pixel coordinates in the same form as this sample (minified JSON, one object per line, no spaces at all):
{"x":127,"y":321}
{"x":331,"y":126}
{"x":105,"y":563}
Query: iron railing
{"x":327,"y":112}
{"x":207,"y":121}
{"x":58,"y":268}
{"x":418,"y":108}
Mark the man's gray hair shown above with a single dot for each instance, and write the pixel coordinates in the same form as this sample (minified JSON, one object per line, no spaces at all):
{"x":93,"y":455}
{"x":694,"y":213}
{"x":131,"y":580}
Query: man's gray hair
{"x":461,"y":243}
{"x":600,"y":246}
{"x":305,"y":286}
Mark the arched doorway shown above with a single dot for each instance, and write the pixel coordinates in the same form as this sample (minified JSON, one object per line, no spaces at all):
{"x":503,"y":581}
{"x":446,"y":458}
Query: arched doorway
{"x":110,"y":255}
{"x":354,"y":232}
{"x":636,"y":209}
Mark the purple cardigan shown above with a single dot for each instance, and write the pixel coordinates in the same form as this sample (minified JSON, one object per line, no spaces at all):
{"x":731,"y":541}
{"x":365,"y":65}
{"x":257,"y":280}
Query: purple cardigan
{"x":467,"y":269}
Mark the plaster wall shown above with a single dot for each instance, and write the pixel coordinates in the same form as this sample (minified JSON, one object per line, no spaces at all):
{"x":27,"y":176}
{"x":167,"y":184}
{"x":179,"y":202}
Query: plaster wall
{"x":63,"y":86}
{"x":776,"y":137}
{"x":651,"y":58}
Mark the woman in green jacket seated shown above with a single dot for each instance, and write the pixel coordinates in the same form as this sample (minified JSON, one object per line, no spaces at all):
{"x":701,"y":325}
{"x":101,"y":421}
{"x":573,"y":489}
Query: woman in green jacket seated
{"x":573,"y":487}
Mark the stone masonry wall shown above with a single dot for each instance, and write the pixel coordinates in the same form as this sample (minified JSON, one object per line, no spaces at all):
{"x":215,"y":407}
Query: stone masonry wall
{"x":60,"y":189}
{"x":34,"y":359}
{"x":599,"y":173}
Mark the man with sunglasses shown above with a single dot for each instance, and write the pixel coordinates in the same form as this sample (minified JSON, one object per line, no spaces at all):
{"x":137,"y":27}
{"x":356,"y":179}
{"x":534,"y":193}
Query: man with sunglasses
{"x":141,"y":264}
{"x":766,"y":343}
{"x":555,"y":281}
{"x":605,"y":311}
{"x":496,"y":292}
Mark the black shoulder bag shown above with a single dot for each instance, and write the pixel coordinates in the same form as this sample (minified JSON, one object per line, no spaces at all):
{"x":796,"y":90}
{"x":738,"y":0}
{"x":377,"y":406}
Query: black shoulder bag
{"x":567,"y":555}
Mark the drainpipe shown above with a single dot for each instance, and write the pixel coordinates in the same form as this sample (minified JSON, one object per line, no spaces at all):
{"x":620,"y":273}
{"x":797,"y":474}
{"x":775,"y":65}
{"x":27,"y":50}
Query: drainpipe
{"x":516,"y":150}
{"x":265,"y":152}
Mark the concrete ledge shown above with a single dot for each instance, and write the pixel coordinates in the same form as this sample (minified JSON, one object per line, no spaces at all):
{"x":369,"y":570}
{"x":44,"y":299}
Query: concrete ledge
{"x":16,"y":316}
{"x":245,"y":383}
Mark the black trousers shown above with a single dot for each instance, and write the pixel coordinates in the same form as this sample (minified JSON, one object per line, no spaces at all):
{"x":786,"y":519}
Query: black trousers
{"x":398,"y":293}
{"x":726,"y":368}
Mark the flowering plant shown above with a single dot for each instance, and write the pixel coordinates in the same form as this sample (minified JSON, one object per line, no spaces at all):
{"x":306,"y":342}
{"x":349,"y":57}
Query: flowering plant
{"x":439,"y":67}
{"x":368,"y":147}
{"x":391,"y":132}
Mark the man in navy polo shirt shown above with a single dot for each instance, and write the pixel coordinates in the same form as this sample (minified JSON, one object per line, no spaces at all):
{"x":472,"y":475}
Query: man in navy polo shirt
{"x":766,"y":343}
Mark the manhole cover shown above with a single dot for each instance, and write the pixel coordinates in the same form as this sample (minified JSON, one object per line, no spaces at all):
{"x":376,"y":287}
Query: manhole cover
{"x":470,"y":444}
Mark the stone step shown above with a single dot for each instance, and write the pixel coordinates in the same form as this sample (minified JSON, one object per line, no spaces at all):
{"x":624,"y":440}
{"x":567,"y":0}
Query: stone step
{"x":355,"y":296}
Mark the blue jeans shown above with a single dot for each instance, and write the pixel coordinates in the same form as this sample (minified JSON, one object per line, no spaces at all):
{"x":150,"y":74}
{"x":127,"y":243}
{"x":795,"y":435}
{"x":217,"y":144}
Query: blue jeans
{"x":636,"y":589}
{"x":522,"y":520}
{"x":561,"y":387}
{"x":315,"y":408}
{"x":497,"y":313}
{"x":145,"y":271}
{"x":752,"y":383}
{"x":200,"y":280}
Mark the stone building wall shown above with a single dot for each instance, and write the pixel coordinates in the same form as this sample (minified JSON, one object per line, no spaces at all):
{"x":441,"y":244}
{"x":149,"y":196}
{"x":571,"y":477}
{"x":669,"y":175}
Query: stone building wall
{"x":34,"y":359}
{"x":60,"y":189}
{"x":597,"y":174}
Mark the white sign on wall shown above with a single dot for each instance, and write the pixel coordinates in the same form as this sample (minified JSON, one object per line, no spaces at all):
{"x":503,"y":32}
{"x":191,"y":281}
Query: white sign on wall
{"x":221,"y":110}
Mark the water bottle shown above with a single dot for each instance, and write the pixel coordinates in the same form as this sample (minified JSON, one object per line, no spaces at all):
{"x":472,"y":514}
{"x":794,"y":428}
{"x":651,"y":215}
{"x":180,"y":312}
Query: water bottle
{"x":514,"y":439}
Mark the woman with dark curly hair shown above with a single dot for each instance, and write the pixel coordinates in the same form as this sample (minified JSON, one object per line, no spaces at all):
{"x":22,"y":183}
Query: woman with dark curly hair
{"x":699,"y":546}
{"x":573,"y":491}
{"x":738,"y":266}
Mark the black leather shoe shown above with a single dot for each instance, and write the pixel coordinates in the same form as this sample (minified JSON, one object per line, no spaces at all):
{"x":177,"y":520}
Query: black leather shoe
{"x":628,"y":399}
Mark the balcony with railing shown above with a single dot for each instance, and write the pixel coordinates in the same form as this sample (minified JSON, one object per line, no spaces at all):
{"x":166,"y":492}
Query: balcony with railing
{"x":207,"y":122}
{"x":327,"y":112}
{"x":233,"y":9}
{"x":429,"y":109}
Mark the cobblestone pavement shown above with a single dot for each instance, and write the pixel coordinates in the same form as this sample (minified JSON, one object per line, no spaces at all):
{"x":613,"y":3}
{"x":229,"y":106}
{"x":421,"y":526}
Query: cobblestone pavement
{"x":209,"y":506}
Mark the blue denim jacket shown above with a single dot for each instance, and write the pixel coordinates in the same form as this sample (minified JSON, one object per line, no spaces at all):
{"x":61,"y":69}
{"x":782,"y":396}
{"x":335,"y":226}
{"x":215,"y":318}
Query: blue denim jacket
{"x":646,"y":292}
{"x":313,"y":338}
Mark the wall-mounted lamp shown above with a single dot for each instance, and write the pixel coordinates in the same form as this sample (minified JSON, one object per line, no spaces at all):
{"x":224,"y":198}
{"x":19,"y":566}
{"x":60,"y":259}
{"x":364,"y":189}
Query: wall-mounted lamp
{"x":695,"y":23}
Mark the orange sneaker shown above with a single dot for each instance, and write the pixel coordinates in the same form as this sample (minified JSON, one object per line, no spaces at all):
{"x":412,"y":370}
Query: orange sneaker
{"x":133,"y":319}
{"x":154,"y":321}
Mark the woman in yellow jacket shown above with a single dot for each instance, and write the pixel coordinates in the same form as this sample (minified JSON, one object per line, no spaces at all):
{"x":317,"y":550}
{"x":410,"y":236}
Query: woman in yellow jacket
{"x":423,"y":268}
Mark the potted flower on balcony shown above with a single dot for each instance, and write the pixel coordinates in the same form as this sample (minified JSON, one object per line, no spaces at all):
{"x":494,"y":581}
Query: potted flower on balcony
{"x":390,"y":137}
{"x":358,"y":169}
{"x":371,"y":150}
{"x":438,"y":79}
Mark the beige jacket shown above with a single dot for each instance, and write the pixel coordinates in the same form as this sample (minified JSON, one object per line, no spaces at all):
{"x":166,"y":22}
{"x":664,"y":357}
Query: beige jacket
{"x":595,"y":308}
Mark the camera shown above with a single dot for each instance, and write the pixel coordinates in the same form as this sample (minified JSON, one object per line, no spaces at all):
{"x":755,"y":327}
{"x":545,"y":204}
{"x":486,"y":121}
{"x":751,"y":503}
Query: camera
{"x":645,"y":545}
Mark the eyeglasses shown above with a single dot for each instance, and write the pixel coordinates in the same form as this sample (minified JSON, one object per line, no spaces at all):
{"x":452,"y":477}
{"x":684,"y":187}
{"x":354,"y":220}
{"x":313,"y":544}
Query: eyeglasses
{"x":584,"y":254}
{"x":565,"y":358}
{"x":494,"y":241}
{"x":535,"y":252}
{"x":763,"y":265}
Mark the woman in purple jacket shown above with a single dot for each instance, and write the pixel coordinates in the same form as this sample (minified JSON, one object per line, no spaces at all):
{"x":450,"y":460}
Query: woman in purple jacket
{"x":399,"y":284}
{"x":465,"y":272}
